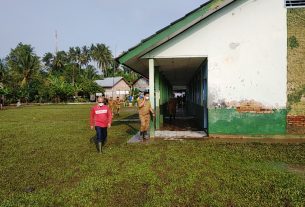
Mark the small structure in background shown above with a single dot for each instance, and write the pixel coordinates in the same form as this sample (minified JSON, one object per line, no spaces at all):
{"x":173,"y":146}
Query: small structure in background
{"x":142,"y":84}
{"x":18,"y":103}
{"x":115,"y":87}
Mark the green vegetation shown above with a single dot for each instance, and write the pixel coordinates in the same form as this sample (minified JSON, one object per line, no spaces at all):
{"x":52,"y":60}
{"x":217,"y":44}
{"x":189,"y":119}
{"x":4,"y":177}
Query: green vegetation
{"x":60,"y":77}
{"x":48,"y":158}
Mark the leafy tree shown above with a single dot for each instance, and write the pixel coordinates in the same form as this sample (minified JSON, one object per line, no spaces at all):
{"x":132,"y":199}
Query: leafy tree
{"x":3,"y":71}
{"x":61,"y":76}
{"x":90,"y":87}
{"x":126,"y":73}
{"x":48,"y":60}
{"x":59,"y":89}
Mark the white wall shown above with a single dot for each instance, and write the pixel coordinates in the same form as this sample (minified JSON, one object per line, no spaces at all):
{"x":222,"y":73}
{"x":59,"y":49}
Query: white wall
{"x":246,"y":48}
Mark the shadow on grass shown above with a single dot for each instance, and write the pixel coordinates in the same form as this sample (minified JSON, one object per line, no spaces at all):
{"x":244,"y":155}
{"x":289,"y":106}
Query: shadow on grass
{"x":93,"y":140}
{"x":131,"y":129}
{"x":128,"y":129}
{"x":133,"y":116}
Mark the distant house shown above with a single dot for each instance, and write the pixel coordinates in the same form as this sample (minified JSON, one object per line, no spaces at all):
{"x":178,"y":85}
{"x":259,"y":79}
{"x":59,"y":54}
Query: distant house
{"x":141,"y":84}
{"x":114,"y":87}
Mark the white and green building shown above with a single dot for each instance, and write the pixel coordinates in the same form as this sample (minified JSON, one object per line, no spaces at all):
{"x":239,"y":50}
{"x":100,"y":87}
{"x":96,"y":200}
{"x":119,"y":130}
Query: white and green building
{"x":241,"y":63}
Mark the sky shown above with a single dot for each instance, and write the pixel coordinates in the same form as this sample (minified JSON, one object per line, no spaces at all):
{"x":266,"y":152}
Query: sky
{"x":120,"y":24}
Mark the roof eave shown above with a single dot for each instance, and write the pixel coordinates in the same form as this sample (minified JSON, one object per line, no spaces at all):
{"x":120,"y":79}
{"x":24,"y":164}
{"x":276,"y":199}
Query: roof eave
{"x":145,"y":45}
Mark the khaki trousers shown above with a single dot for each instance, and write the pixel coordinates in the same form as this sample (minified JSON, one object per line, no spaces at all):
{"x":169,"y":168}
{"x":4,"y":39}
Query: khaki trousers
{"x":145,"y":120}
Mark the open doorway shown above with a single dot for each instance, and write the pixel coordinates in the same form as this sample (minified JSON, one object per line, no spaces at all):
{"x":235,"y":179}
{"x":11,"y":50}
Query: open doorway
{"x":187,"y":78}
{"x":177,"y":117}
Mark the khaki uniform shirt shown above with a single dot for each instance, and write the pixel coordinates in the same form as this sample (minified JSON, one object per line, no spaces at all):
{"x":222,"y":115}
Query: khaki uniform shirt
{"x":144,"y":110}
{"x":117,"y":103}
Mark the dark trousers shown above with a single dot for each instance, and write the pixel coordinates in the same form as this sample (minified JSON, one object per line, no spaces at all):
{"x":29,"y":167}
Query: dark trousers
{"x":101,"y":134}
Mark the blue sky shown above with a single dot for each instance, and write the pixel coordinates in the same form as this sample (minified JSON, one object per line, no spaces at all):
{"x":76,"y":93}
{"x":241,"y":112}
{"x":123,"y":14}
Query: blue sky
{"x":120,"y":24}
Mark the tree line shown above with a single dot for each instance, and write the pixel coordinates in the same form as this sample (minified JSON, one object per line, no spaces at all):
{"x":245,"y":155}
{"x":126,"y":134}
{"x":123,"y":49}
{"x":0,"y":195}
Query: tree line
{"x":57,"y":77}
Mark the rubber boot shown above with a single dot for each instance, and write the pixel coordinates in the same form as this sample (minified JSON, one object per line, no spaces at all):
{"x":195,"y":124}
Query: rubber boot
{"x":99,"y":147}
{"x":144,"y":135}
{"x":141,"y":135}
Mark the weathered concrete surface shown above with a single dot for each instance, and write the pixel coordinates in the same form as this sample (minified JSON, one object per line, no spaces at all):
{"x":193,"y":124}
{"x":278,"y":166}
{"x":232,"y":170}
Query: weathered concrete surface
{"x":170,"y":135}
{"x":180,"y":134}
{"x":136,"y":139}
{"x":296,"y":68}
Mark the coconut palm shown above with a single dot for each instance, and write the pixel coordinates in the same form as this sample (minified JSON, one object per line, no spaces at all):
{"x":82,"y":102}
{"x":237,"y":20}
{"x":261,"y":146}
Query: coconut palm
{"x":60,"y":60}
{"x":103,"y":57}
{"x":55,"y":63}
{"x":74,"y":55}
{"x":23,"y":63}
{"x":85,"y":56}
{"x":89,"y":73}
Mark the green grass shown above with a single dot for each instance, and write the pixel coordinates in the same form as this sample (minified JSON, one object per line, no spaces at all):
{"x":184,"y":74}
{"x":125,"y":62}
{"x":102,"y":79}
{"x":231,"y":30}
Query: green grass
{"x":47,"y":158}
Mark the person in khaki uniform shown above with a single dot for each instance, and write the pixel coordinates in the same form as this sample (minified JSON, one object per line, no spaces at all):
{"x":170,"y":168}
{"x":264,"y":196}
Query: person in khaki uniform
{"x":117,"y":105}
{"x":110,"y":103}
{"x":144,"y":114}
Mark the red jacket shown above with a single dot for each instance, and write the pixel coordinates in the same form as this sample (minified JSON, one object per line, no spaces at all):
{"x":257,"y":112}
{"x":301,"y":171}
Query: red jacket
{"x":100,"y":116}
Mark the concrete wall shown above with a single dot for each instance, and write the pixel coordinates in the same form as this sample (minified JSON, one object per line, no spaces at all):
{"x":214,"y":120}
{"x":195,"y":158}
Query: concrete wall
{"x":246,"y":46}
{"x":296,"y":70}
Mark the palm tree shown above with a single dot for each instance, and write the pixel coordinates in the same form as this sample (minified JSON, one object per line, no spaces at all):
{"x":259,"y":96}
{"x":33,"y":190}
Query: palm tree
{"x":48,"y":60}
{"x":89,"y":73}
{"x":55,"y":63}
{"x":85,"y":56}
{"x":23,"y":63}
{"x":103,"y":57}
{"x":74,"y":57}
{"x":60,"y":60}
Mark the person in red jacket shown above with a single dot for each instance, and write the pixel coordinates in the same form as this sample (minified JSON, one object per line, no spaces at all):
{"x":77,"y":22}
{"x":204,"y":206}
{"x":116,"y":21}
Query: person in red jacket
{"x":101,"y":118}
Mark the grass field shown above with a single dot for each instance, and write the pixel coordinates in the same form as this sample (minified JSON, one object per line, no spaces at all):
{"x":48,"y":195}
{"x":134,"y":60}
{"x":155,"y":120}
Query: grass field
{"x":48,"y":158}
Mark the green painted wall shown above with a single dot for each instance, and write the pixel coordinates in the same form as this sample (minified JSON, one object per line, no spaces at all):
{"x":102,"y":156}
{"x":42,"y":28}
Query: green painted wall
{"x":163,"y":87}
{"x":230,"y":121}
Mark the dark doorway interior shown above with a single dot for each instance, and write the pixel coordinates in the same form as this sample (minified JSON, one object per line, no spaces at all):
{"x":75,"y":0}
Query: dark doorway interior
{"x":182,"y":121}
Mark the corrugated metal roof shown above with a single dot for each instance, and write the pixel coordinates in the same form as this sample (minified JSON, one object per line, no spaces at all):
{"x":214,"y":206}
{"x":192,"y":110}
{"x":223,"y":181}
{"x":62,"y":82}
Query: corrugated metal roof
{"x":109,"y":82}
{"x":144,"y":78}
